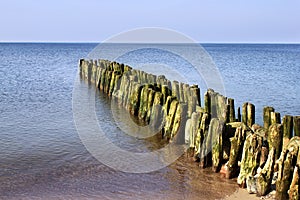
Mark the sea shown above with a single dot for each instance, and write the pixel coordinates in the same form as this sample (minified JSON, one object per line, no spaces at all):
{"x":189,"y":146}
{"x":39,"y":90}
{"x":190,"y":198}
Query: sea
{"x":43,"y":157}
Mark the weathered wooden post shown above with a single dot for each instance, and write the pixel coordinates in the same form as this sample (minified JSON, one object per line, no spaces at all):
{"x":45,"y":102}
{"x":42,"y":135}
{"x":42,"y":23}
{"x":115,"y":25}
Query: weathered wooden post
{"x":287,"y":163}
{"x":102,"y":80}
{"x":204,"y":126}
{"x":250,"y":114}
{"x":231,"y":110}
{"x":151,"y":96}
{"x":135,"y":99}
{"x":239,"y":119}
{"x":250,"y":161}
{"x":267,"y":116}
{"x":244,"y":113}
{"x":275,"y":138}
{"x":295,"y":184}
{"x":143,"y":106}
{"x":157,"y":116}
{"x":207,"y":103}
{"x":195,"y":124}
{"x":236,"y":149}
{"x":181,"y":93}
{"x":179,"y":124}
{"x":166,"y":91}
{"x":275,"y":118}
{"x":216,"y":129}
{"x":297,"y":125}
{"x":195,"y":91}
{"x":264,"y":178}
{"x":287,"y":123}
{"x":175,"y":89}
{"x":170,"y":119}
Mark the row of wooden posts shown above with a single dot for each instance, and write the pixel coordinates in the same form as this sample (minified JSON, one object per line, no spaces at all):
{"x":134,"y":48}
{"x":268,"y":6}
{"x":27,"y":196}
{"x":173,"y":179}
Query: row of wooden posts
{"x":217,"y":136}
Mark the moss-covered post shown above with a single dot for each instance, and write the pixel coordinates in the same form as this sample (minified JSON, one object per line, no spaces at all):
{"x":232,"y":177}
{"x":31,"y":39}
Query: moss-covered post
{"x":150,"y":104}
{"x":157,"y":115}
{"x":267,"y":116}
{"x":285,"y":173}
{"x":216,"y":129}
{"x":143,"y":102}
{"x":250,"y":114}
{"x":102,"y":80}
{"x":275,"y":118}
{"x":231,"y":110}
{"x":287,"y":123}
{"x":175,"y":89}
{"x":250,"y":160}
{"x":275,"y":138}
{"x":179,"y":124}
{"x":195,"y":123}
{"x":181,"y":92}
{"x":207,"y":103}
{"x":264,"y":178}
{"x":236,"y":149}
{"x":239,"y":119}
{"x":195,"y":92}
{"x":203,"y":135}
{"x":287,"y":183}
{"x":107,"y":81}
{"x":295,"y":184}
{"x":244,"y":113}
{"x":166,"y":91}
{"x":297,"y":125}
{"x":135,"y":99}
{"x":170,"y":119}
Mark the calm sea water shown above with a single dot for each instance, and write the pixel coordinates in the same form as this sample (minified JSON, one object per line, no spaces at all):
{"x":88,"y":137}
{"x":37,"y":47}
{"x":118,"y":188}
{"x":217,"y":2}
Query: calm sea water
{"x":41,"y":155}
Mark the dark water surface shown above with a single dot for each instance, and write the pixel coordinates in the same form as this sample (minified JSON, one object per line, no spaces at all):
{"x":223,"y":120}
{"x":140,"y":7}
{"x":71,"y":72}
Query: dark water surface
{"x":41,"y":155}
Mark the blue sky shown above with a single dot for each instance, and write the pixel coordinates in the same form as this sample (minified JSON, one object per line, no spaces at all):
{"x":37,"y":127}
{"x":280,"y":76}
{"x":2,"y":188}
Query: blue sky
{"x":205,"y":21}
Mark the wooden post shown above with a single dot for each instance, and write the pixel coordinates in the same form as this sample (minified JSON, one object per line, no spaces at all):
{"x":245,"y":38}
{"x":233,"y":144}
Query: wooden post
{"x":179,"y":124}
{"x":236,"y":149}
{"x":205,"y":121}
{"x":166,"y":91}
{"x":244,"y":113}
{"x":297,"y":126}
{"x":207,"y":103}
{"x":231,"y":110}
{"x":150,"y":104}
{"x":287,"y":123}
{"x":267,"y":116}
{"x":250,"y":158}
{"x":175,"y":89}
{"x":250,"y":114}
{"x":275,"y":118}
{"x":217,"y":128}
{"x":157,"y":116}
{"x":294,"y":187}
{"x":239,"y":119}
{"x":264,"y":178}
{"x":275,"y":138}
{"x":170,"y":119}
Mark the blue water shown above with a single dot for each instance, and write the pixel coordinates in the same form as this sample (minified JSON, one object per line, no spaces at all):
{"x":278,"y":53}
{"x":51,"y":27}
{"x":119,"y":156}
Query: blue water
{"x":41,"y":155}
{"x":263,"y":74}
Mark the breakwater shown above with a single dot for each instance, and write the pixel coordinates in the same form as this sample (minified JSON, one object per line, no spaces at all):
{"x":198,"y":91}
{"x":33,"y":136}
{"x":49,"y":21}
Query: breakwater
{"x":219,"y":137}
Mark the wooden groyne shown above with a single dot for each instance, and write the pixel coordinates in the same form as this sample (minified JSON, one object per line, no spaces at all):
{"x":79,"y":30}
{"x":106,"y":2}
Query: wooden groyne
{"x":229,"y":142}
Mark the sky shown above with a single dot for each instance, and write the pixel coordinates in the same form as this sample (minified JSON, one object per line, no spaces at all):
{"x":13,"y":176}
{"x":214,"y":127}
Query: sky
{"x":207,"y":21}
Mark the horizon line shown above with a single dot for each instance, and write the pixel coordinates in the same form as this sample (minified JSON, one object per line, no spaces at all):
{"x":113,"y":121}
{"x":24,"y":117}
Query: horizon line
{"x":198,"y":42}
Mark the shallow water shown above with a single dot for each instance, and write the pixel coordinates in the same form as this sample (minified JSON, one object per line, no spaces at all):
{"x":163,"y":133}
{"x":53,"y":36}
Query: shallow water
{"x":42,"y":156}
